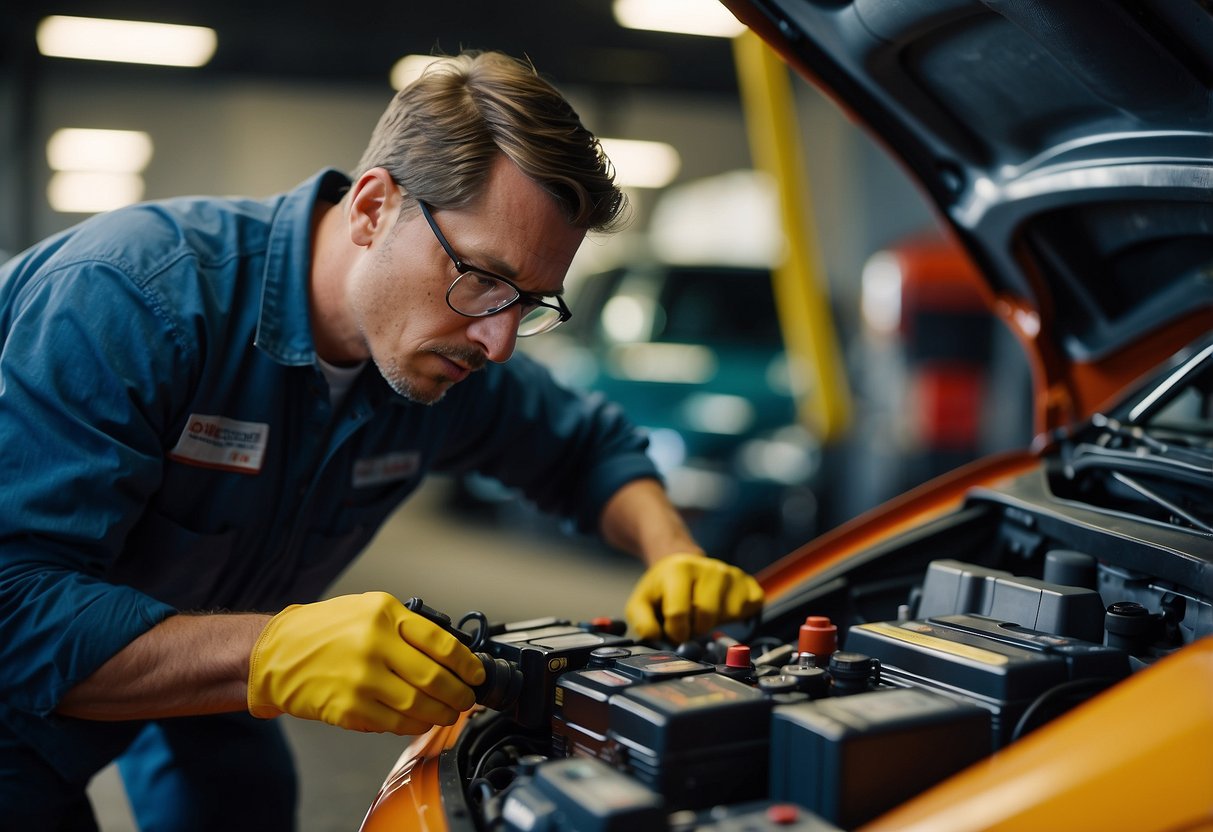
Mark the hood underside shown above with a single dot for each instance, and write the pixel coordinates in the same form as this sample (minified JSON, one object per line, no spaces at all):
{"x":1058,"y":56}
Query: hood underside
{"x":1069,"y":143}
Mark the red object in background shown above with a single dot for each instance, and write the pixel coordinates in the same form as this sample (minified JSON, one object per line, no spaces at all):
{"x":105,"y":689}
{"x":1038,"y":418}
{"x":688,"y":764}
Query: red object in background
{"x":946,"y":328}
{"x":949,"y":404}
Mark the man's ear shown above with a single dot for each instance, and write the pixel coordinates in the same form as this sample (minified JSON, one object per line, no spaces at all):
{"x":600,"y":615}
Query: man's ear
{"x":374,"y":203}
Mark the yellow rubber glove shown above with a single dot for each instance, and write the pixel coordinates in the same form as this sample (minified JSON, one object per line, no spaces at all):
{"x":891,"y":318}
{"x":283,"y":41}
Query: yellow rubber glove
{"x":362,"y":662}
{"x":687,"y":595}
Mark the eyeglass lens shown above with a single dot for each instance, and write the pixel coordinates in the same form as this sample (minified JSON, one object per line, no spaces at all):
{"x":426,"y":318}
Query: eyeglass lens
{"x":478,"y":295}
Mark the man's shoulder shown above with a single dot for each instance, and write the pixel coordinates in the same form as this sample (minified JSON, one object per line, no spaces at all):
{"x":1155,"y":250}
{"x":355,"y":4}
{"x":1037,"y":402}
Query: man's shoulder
{"x":209,"y":230}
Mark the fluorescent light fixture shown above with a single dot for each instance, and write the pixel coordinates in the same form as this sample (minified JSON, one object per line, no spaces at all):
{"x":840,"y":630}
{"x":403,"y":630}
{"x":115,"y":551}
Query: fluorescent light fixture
{"x":732,"y":218}
{"x":125,"y":41}
{"x":683,"y":17}
{"x":640,"y":164}
{"x":77,"y":192}
{"x":108,"y":151}
{"x":409,"y":68}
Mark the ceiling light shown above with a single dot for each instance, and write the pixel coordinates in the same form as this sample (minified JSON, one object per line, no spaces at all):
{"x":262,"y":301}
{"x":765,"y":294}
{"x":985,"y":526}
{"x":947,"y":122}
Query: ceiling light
{"x":642,"y":164}
{"x":684,"y":17}
{"x":731,"y":218}
{"x":113,"y":151}
{"x":76,"y":192}
{"x":127,"y":41}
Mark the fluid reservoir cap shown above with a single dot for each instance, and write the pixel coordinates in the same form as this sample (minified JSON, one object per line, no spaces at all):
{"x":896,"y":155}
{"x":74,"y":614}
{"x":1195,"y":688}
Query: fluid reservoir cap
{"x":812,"y":680}
{"x":738,"y":656}
{"x":850,"y":663}
{"x":817,"y":635}
{"x":1129,"y":618}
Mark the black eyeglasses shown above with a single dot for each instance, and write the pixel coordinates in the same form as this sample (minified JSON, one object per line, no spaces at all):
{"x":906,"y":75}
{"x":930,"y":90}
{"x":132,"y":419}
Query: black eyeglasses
{"x":478,"y":294}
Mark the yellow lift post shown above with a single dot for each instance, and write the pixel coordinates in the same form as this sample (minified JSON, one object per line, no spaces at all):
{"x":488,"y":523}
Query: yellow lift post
{"x":800,"y":285}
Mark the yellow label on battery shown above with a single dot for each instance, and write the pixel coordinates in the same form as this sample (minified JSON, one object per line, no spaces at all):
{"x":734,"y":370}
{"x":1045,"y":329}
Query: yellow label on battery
{"x":966,"y":651}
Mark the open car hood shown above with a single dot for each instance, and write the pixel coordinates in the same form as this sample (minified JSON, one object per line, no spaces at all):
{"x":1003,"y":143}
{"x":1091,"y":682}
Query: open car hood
{"x":1068,"y":145}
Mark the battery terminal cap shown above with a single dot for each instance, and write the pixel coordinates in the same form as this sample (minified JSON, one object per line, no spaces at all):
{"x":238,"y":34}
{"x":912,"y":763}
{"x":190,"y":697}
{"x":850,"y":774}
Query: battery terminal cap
{"x":738,"y":656}
{"x":818,"y":635}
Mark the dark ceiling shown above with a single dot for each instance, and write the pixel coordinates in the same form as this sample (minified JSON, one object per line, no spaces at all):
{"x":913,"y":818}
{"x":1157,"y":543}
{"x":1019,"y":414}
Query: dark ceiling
{"x":573,"y":42}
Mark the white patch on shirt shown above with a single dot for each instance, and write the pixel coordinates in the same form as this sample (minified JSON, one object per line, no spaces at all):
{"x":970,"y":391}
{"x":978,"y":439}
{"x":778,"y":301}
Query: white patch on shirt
{"x":223,"y":443}
{"x":390,"y":467}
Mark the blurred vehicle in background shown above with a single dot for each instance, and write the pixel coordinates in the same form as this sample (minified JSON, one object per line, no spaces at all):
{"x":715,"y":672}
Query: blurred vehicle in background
{"x":694,"y":354}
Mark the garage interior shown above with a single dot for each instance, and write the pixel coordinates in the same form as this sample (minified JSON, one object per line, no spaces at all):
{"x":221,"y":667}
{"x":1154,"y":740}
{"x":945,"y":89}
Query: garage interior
{"x":290,"y":90}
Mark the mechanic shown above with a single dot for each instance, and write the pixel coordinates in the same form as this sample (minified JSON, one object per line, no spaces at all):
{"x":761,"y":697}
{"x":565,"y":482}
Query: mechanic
{"x":195,"y":443}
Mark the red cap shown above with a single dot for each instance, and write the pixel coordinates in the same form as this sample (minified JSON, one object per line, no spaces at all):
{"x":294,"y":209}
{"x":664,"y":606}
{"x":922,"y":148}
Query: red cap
{"x":737,"y":656}
{"x":817,"y":636}
{"x":783,"y":814}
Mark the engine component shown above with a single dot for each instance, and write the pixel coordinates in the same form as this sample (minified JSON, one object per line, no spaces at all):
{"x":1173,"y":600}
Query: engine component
{"x":698,"y":740}
{"x":502,"y":683}
{"x":581,"y":715}
{"x":541,"y":656}
{"x":853,"y":672}
{"x":817,"y":635}
{"x":849,"y":759}
{"x":952,"y":587}
{"x":1001,"y":666}
{"x":582,"y":795}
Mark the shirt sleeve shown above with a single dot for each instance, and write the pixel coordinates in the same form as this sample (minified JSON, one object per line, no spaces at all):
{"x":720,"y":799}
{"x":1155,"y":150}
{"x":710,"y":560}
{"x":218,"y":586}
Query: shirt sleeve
{"x":566,"y":451}
{"x":79,"y":455}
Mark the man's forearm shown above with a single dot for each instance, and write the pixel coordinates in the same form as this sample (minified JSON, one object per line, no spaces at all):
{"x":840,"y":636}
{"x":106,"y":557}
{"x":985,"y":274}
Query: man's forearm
{"x":640,"y":519}
{"x":185,"y":665}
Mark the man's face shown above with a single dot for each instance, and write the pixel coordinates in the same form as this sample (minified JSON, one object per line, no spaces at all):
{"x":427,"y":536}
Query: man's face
{"x":398,"y":294}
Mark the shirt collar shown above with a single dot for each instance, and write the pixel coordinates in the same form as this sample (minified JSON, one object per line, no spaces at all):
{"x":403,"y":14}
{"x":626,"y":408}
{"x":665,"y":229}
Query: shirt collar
{"x":284,"y":326}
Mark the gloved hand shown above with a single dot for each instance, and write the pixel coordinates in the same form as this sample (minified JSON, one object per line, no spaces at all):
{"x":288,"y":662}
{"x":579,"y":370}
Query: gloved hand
{"x":687,"y":595}
{"x":362,"y":662}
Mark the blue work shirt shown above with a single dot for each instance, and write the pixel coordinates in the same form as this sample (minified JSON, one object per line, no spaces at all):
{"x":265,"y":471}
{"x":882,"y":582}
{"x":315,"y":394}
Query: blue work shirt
{"x":167,"y":442}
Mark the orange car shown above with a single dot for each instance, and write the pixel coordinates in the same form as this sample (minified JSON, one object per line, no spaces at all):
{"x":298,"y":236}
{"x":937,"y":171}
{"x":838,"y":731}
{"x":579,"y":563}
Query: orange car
{"x":1023,"y":644}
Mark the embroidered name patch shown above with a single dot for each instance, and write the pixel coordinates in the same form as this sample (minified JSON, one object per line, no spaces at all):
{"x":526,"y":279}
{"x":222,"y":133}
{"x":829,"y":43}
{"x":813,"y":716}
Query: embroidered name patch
{"x":220,"y":442}
{"x":380,"y":470}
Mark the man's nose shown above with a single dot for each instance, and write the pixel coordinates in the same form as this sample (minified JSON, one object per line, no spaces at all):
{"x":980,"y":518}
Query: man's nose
{"x":497,"y":334}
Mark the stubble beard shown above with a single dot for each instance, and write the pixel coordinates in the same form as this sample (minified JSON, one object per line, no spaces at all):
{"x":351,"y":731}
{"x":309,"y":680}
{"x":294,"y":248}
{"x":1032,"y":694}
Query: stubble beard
{"x":403,"y":385}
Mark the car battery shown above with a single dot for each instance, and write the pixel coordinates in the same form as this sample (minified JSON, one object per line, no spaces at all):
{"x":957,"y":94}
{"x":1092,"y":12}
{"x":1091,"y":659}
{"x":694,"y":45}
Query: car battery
{"x":580,"y":713}
{"x":1001,"y":666}
{"x":581,"y":795}
{"x":542,"y":654}
{"x":849,"y":759}
{"x":699,"y":740}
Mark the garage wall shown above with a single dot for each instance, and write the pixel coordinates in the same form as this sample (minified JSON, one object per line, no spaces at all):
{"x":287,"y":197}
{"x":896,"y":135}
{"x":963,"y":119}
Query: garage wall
{"x":228,"y":137}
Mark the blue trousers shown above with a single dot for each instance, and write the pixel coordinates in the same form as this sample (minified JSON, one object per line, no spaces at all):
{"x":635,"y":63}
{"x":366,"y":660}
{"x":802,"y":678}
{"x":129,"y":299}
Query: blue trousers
{"x":228,"y":771}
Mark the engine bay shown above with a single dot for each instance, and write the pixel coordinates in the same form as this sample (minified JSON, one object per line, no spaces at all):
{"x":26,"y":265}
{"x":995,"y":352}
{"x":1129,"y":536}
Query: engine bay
{"x":856,"y":691}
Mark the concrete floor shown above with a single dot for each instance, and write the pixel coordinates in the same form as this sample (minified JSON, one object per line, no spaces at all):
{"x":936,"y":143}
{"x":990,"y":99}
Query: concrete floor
{"x":455,"y":564}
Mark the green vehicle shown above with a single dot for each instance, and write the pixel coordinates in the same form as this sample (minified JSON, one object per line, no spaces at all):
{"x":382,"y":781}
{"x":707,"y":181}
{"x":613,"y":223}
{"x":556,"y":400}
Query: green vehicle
{"x":694,"y":354}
